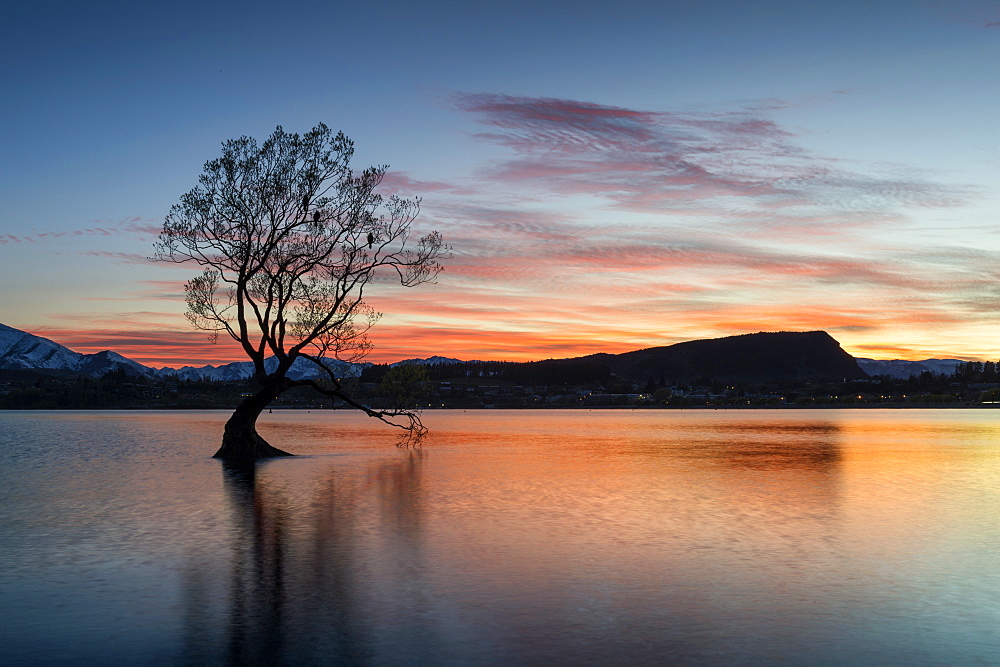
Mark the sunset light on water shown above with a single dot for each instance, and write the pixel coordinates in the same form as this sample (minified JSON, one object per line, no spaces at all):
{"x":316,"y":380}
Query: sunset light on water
{"x":525,"y":537}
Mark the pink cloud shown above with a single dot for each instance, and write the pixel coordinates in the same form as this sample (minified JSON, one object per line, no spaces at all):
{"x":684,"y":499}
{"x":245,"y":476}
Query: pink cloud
{"x":664,"y":161}
{"x":522,"y":250}
{"x":477,"y":221}
{"x":400,"y":183}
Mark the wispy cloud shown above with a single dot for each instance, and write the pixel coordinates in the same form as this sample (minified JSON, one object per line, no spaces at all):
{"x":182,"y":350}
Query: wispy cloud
{"x":123,"y":257}
{"x":153,"y":290}
{"x":738,"y":160}
{"x":140,"y":227}
{"x":401,"y":183}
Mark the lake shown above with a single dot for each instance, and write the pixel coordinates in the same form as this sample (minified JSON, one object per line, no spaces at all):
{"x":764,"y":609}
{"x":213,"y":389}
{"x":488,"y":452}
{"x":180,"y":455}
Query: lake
{"x":510,"y":537}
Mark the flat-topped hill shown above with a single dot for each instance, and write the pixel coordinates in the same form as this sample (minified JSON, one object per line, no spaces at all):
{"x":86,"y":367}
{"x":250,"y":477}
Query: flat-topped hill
{"x":809,"y":355}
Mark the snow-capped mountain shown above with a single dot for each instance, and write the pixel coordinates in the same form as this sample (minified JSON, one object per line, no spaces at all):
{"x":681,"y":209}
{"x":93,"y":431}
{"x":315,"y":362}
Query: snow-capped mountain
{"x":20,"y":350}
{"x":429,"y":361}
{"x":241,"y":370}
{"x":237,"y":370}
{"x":100,"y":363}
{"x":902,"y":369}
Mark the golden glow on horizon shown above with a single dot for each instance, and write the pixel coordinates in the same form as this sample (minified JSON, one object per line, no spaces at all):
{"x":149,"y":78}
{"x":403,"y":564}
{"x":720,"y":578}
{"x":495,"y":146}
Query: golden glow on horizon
{"x":402,"y":341}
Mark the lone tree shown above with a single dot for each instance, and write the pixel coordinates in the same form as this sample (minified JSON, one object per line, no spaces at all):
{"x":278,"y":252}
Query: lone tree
{"x":290,"y":238}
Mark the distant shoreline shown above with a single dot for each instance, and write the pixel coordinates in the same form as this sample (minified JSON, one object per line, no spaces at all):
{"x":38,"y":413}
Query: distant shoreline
{"x":899,"y":406}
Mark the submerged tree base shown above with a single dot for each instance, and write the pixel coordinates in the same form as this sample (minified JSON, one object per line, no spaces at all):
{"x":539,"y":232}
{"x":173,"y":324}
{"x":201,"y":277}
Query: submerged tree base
{"x":241,"y":441}
{"x":249,"y":451}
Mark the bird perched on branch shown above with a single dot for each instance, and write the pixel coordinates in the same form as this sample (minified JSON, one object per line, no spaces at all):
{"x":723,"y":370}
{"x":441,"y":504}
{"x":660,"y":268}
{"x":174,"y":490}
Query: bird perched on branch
{"x":371,"y":239}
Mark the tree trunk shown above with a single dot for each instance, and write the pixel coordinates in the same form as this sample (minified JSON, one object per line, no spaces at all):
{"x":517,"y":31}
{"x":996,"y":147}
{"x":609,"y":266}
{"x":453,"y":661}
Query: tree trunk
{"x":240,"y":439}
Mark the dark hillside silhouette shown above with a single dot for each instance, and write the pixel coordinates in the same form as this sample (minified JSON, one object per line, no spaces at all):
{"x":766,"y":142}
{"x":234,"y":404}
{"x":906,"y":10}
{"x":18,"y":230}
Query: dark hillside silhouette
{"x":758,"y":357}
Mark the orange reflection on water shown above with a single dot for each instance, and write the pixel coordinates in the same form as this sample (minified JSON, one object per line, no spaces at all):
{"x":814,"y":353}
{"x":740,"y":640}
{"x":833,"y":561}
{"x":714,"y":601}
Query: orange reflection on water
{"x":918,"y":483}
{"x":652,"y":536}
{"x":644,"y":503}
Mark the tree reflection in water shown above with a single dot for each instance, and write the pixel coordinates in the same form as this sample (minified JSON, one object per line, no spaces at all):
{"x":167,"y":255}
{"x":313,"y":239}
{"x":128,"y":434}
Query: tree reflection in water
{"x":257,"y":595}
{"x":298,"y":587}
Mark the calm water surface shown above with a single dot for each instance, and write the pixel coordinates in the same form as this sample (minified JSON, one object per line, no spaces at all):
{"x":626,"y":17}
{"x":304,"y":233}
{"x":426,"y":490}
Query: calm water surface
{"x":536,"y":537}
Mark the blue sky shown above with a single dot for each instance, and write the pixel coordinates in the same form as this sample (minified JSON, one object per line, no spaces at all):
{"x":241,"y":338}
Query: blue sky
{"x":611,"y":175}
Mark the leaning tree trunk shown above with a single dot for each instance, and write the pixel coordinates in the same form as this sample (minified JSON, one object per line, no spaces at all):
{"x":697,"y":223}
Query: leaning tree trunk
{"x":240,"y":439}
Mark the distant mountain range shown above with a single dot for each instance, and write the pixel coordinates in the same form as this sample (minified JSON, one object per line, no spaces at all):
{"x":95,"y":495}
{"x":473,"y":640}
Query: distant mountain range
{"x":763,"y":356}
{"x":902,"y":369}
{"x":20,"y":350}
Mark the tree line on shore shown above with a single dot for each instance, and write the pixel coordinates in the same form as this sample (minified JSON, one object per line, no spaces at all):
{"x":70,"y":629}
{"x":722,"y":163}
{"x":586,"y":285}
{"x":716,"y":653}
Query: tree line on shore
{"x":502,"y":384}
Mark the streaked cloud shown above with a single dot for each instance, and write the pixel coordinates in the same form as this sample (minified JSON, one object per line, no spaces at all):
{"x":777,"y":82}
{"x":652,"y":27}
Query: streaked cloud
{"x":738,"y":160}
{"x":135,"y":226}
{"x":124,"y":257}
{"x":401,"y":183}
{"x":152,"y":290}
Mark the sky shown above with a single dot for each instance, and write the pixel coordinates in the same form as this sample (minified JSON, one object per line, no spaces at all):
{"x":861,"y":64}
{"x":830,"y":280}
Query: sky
{"x":611,"y":176}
